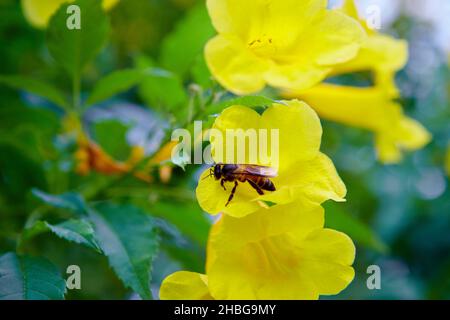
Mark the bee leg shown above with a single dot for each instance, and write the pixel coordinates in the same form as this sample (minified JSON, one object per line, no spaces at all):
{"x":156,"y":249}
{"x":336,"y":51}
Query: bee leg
{"x":232,"y":193}
{"x":222,"y":184}
{"x":256,"y":187}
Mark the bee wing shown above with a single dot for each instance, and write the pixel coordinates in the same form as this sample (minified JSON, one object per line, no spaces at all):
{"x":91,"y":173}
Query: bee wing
{"x":260,"y":171}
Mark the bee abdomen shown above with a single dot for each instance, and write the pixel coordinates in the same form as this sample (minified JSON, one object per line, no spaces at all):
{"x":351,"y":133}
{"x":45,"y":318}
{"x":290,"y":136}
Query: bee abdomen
{"x":265,"y":184}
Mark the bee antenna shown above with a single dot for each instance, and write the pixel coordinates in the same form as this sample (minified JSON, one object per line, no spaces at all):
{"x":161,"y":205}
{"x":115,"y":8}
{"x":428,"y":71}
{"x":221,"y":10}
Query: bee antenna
{"x":209,"y":175}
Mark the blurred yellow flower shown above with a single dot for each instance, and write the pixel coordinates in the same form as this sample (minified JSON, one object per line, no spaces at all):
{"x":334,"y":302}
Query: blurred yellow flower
{"x":184,"y":285}
{"x":280,"y":253}
{"x":381,"y":54}
{"x":284,"y":43}
{"x":304,"y":173}
{"x":38,"y":12}
{"x":372,"y":109}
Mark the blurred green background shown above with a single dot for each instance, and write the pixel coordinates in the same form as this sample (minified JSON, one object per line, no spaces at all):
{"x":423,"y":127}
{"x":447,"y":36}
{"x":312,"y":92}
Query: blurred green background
{"x":397,"y":215}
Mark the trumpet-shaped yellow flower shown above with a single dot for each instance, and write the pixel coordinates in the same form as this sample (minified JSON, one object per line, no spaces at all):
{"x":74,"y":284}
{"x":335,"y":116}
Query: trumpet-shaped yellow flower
{"x":372,"y":109}
{"x":304,"y":173}
{"x":38,"y":12}
{"x":185,"y":285}
{"x":280,"y":253}
{"x":381,"y":54}
{"x":283,"y":43}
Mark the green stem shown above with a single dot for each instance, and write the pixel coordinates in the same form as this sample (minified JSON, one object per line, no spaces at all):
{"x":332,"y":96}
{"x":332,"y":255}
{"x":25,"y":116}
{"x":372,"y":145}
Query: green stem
{"x":76,"y":91}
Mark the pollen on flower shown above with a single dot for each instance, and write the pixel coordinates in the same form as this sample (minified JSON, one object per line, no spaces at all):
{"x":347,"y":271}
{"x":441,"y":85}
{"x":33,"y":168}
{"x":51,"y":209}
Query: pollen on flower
{"x":263,"y":47}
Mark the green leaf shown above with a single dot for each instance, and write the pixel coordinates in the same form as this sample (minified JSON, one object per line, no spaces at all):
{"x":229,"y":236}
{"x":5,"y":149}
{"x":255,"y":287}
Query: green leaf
{"x":37,"y":87}
{"x":190,"y":219}
{"x":70,"y":201}
{"x":163,"y":90}
{"x":336,"y":218}
{"x":28,"y":278}
{"x":115,"y":83}
{"x":247,"y":101}
{"x":129,"y":239}
{"x":74,"y":49}
{"x":78,"y":231}
{"x":19,"y":173}
{"x":112,"y":137}
{"x":186,"y":42}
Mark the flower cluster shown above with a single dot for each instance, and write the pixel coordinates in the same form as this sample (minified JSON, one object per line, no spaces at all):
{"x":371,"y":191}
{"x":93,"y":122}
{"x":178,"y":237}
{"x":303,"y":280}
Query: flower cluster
{"x":273,"y":244}
{"x":282,"y":251}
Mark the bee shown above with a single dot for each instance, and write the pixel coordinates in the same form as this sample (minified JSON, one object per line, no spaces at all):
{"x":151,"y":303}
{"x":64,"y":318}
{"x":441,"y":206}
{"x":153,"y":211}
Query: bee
{"x":257,"y":176}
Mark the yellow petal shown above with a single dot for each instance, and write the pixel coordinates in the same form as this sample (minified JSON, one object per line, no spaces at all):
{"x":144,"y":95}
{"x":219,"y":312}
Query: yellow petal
{"x":38,"y":12}
{"x":315,"y":180}
{"x":349,"y":8}
{"x":185,"y":285}
{"x":297,"y":76}
{"x":379,"y":53}
{"x":333,"y":38}
{"x":300,"y":131}
{"x":408,"y":134}
{"x":327,"y":259}
{"x":234,"y":66}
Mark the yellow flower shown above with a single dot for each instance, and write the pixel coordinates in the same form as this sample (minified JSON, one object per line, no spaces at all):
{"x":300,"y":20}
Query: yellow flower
{"x":283,"y":43}
{"x":372,"y":109}
{"x":382,"y":54}
{"x":183,"y":285}
{"x":280,"y":253}
{"x":304,"y":173}
{"x":38,"y":12}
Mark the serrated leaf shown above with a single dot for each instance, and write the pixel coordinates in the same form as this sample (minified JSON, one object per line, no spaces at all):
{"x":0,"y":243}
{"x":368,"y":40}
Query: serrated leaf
{"x":247,"y":101}
{"x":128,"y":238}
{"x":79,"y":231}
{"x":74,"y":49}
{"x":37,"y":87}
{"x":115,"y":83}
{"x":28,"y":278}
{"x":69,"y":201}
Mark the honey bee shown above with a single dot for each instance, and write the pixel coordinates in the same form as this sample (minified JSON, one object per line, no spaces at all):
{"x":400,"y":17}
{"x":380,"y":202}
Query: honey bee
{"x":257,"y":176}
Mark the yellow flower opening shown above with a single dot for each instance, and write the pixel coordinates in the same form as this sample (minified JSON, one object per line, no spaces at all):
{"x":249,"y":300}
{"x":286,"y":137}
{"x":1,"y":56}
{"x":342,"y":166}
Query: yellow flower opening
{"x":284,"y":43}
{"x":280,"y":253}
{"x":304,"y":173}
{"x":38,"y":12}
